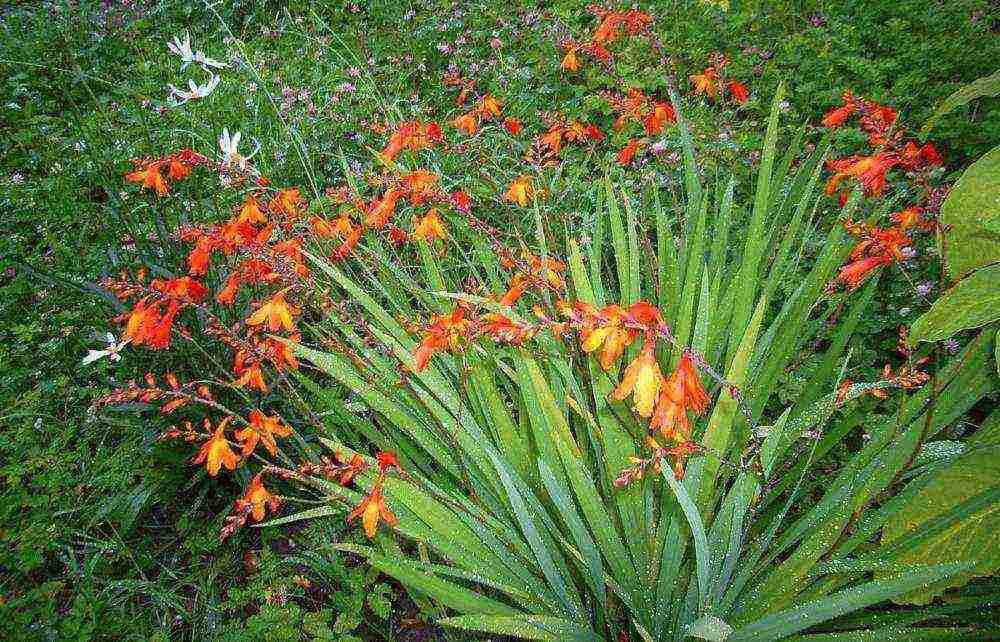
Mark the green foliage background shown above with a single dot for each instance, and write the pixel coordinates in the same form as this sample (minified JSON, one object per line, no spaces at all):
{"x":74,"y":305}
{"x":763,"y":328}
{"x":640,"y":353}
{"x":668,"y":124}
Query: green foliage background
{"x":104,"y":533}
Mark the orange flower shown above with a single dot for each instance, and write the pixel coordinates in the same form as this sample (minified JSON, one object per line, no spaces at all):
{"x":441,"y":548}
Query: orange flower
{"x":838,"y":116}
{"x":911,"y":217}
{"x":258,"y":500}
{"x":287,"y":202}
{"x":518,"y":286}
{"x":444,"y":333}
{"x":513,"y":126}
{"x":250,"y":376}
{"x":627,"y":153}
{"x":276,"y":312}
{"x":461,"y":201}
{"x":430,"y":227}
{"x":373,"y":510}
{"x":570,"y":62}
{"x":854,"y":274}
{"x":739,"y":91}
{"x":607,"y":329}
{"x":150,"y":178}
{"x":382,"y":209}
{"x":658,"y":117}
{"x":215,"y":452}
{"x":387,"y":461}
{"x":262,"y":429}
{"x":705,"y":83}
{"x":419,"y":184}
{"x":489,"y":107}
{"x":642,"y":379}
{"x":466,"y":122}
{"x":250,"y":212}
{"x":681,"y":392}
{"x":520,"y":191}
{"x":553,"y":138}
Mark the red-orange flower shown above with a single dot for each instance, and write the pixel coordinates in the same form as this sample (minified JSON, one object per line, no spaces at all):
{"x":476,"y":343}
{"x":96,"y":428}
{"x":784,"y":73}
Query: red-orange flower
{"x":705,"y":83}
{"x":642,"y":379}
{"x":681,"y":392}
{"x":149,"y":177}
{"x":513,"y":126}
{"x":627,"y":153}
{"x":854,"y":274}
{"x":373,"y":510}
{"x":258,"y":500}
{"x":276,"y":312}
{"x":467,"y":122}
{"x":607,"y":328}
{"x":444,"y":333}
{"x":216,"y":453}
{"x":519,"y":191}
{"x":262,"y":429}
{"x":430,"y":227}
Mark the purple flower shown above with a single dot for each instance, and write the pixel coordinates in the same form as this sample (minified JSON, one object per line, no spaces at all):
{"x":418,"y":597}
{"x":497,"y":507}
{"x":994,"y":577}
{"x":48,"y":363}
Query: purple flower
{"x":951,"y":345}
{"x":925,"y":288}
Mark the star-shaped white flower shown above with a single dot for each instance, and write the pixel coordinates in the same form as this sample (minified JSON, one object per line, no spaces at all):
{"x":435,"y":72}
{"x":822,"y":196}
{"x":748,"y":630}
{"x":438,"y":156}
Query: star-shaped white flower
{"x":182,"y":48}
{"x":230,"y":148}
{"x":193,"y":92}
{"x":113,"y":351}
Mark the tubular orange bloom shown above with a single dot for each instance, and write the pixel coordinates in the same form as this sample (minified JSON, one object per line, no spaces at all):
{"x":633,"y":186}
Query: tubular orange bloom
{"x":682,"y":391}
{"x":553,"y":138}
{"x":838,"y":116}
{"x":387,"y":460}
{"x":150,"y":177}
{"x":287,"y":202}
{"x":177,"y":169}
{"x":570,"y":62}
{"x":444,"y":333}
{"x":854,"y":274}
{"x":607,"y":329}
{"x":739,"y":91}
{"x":513,"y":126}
{"x":183,"y":287}
{"x":680,"y":453}
{"x":373,"y":510}
{"x":262,"y":429}
{"x":251,"y":377}
{"x":467,"y":122}
{"x":489,"y":107}
{"x":397,"y":236}
{"x":216,"y":453}
{"x":276,"y":312}
{"x":419,"y":184}
{"x":911,"y":217}
{"x":627,"y":153}
{"x":518,"y":286}
{"x":382,"y":209}
{"x":642,"y":379}
{"x":520,"y":191}
{"x":461,"y":201}
{"x":658,"y":117}
{"x":250,"y":212}
{"x":705,"y":83}
{"x":430,"y":227}
{"x":258,"y":500}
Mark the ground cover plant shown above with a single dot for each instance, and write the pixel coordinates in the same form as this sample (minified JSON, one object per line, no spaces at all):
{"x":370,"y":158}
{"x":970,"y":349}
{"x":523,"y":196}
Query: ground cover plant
{"x":546,"y":180}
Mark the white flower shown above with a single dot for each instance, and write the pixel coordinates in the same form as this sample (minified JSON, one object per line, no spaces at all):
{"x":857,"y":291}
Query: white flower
{"x":112,"y":352}
{"x":182,"y":48}
{"x":230,"y":148}
{"x":194,"y":92}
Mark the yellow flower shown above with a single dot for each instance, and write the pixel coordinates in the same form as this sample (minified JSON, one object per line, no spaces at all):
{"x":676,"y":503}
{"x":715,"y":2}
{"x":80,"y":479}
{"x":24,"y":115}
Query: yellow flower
{"x":520,"y":191}
{"x":642,"y":379}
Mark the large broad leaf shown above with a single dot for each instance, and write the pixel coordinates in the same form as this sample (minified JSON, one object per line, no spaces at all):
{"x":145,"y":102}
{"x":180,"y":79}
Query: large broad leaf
{"x":973,"y":201}
{"x":974,"y":539}
{"x":973,"y":303}
{"x":985,"y":86}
